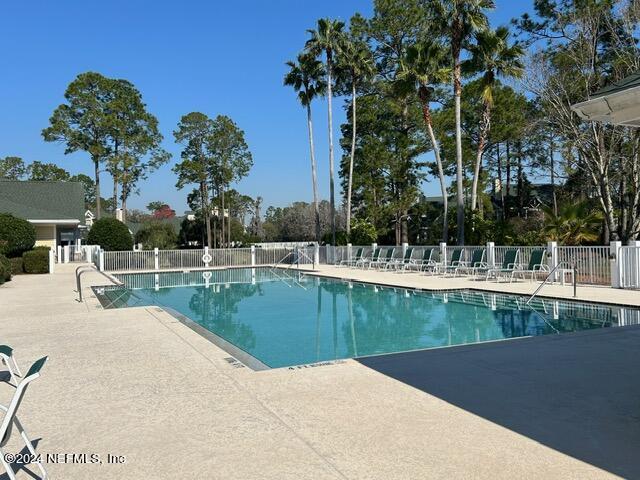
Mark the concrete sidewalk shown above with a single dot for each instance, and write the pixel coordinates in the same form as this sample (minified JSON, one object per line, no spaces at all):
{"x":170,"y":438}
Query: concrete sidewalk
{"x":137,"y":383}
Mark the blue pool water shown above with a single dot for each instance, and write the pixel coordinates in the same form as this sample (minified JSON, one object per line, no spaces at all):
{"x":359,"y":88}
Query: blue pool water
{"x":283,"y":318}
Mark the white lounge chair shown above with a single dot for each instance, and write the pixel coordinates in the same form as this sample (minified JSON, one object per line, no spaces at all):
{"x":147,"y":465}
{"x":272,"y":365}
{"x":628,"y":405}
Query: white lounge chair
{"x":10,"y":420}
{"x":8,"y":358}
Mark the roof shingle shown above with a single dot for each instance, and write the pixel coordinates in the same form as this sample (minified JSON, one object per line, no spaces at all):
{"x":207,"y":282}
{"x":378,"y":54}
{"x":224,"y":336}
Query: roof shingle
{"x":42,"y":200}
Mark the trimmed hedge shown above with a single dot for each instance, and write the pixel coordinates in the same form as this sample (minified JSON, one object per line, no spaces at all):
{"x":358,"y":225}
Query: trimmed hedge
{"x":16,"y":235}
{"x":111,"y":234}
{"x":5,"y":269}
{"x":36,"y":261}
{"x":17,"y":266}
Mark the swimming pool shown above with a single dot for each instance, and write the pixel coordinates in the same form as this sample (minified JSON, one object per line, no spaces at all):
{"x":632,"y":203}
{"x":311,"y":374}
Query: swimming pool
{"x":285,"y":318}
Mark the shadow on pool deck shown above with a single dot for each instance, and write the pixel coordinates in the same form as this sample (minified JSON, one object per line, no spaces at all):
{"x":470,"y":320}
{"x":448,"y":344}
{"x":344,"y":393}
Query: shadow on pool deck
{"x":577,"y":393}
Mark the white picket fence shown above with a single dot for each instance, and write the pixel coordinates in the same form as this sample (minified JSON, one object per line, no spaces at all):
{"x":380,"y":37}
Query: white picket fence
{"x":629,"y":261}
{"x":615,"y":265}
{"x":595,"y":265}
{"x":172,"y":260}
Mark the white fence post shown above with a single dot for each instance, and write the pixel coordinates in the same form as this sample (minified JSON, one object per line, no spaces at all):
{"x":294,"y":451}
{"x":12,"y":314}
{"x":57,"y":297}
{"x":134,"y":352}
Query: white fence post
{"x":316,"y":254}
{"x":349,"y":251}
{"x":156,"y":264}
{"x":66,"y":253}
{"x":552,"y":258}
{"x":52,"y":260}
{"x":206,"y":256}
{"x":59,"y":252}
{"x":491,"y":254}
{"x":101,"y":260}
{"x":404,"y":249}
{"x":253,"y":255}
{"x":616,"y":265}
{"x":443,"y":253}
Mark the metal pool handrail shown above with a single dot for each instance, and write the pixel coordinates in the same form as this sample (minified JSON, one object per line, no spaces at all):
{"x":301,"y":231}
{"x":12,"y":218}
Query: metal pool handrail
{"x":86,"y":269}
{"x":544,"y":282}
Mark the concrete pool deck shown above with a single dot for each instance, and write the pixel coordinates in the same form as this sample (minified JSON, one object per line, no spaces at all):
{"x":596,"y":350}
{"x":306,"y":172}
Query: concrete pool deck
{"x":138,"y":383}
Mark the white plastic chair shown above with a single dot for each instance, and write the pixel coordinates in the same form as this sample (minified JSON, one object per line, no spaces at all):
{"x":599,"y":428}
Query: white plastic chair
{"x":10,"y":419}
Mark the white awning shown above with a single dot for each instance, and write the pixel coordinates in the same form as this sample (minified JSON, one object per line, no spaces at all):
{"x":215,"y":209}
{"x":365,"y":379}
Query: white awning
{"x":617,"y":108}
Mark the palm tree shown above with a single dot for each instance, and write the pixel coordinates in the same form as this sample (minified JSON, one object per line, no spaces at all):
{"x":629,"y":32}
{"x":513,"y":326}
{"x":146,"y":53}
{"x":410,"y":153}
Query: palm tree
{"x":574,"y":224}
{"x":307,"y":78}
{"x":458,"y":20}
{"x":424,"y":66}
{"x":356,"y":65}
{"x":494,"y":57}
{"x":327,"y":38}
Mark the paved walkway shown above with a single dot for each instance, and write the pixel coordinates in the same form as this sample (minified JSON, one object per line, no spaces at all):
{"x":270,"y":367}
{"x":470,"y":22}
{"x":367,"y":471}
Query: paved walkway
{"x":586,"y":293}
{"x":139,"y":384}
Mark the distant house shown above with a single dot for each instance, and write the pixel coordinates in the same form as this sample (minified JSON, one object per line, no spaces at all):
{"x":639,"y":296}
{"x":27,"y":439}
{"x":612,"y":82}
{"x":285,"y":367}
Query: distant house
{"x":56,"y":209}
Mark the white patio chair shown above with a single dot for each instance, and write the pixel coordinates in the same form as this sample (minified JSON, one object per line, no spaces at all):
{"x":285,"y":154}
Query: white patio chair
{"x":8,"y":358}
{"x":10,"y":419}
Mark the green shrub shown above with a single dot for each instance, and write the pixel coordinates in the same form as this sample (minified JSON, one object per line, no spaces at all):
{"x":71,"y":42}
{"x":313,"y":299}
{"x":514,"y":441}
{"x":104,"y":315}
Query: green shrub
{"x":5,"y":269}
{"x":157,"y":235}
{"x":16,"y":235}
{"x":36,"y":261}
{"x":17,"y":265}
{"x":363,"y":232}
{"x":110,"y":234}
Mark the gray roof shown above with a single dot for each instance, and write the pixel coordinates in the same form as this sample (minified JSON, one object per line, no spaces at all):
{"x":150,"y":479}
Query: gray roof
{"x":631,"y":81}
{"x":42,"y":200}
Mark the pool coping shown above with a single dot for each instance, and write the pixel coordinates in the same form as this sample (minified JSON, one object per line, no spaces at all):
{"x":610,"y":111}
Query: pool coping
{"x":256,"y":365}
{"x":315,"y":273}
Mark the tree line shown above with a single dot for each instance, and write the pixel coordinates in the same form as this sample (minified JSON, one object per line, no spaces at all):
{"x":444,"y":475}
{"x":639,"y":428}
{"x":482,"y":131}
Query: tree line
{"x":492,"y":105}
{"x":108,"y":119}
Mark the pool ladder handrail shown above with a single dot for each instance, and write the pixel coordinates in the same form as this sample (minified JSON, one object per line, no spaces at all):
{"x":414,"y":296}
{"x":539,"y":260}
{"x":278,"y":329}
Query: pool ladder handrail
{"x":298,"y":253}
{"x":92,"y":268}
{"x":553,"y":270}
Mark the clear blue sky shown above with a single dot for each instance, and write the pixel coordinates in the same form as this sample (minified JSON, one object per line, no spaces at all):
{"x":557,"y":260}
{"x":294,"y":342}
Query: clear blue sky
{"x":214,"y":57}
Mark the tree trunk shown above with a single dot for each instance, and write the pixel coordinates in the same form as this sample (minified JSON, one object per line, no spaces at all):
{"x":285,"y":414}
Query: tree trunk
{"x":115,"y":191}
{"x":124,"y":204}
{"x":404,"y":225}
{"x":206,"y":211}
{"x":485,"y":125}
{"x":222,"y":217}
{"x":508,"y":169}
{"x":314,"y":174}
{"x":499,"y":161}
{"x":331,"y":174}
{"x":353,"y":153}
{"x":426,"y":113}
{"x":96,"y":169}
{"x":457,"y":90}
{"x":553,"y":176}
{"x":520,"y":180}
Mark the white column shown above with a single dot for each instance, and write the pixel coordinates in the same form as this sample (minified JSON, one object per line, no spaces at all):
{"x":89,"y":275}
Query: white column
{"x":349,"y":251}
{"x":155,"y":259}
{"x":59,"y":251}
{"x":52,"y":260}
{"x":66,"y":253}
{"x":552,"y":258}
{"x":616,"y":266}
{"x":101,"y":260}
{"x":404,"y":248}
{"x":491,"y":254}
{"x":253,"y":255}
{"x":316,"y":255}
{"x":443,"y":253}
